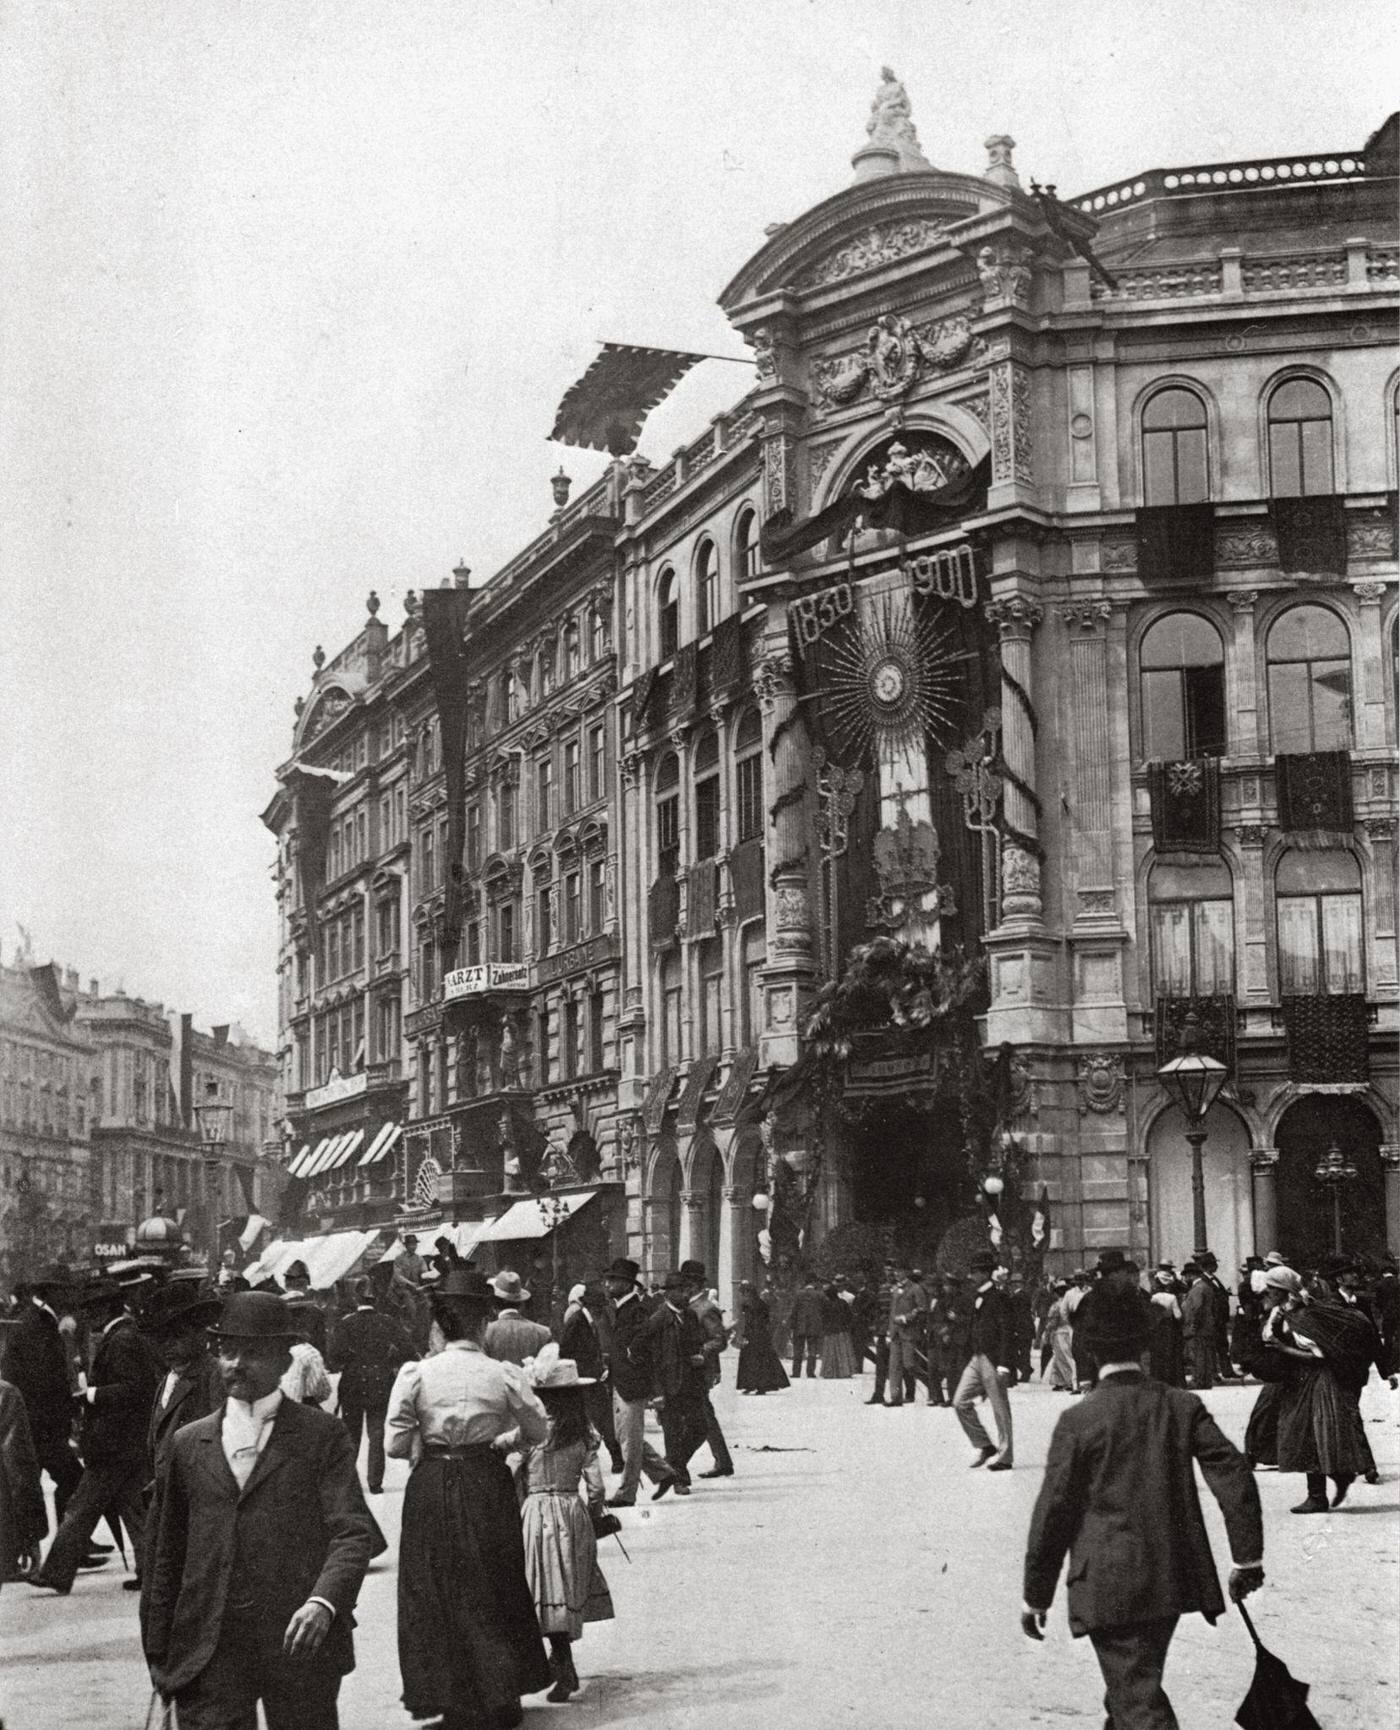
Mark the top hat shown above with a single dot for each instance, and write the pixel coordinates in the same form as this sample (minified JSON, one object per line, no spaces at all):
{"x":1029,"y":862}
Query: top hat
{"x":1117,"y":1324}
{"x":508,"y":1288}
{"x":676,"y":1281}
{"x":467,"y":1283}
{"x":256,"y":1315}
{"x":548,"y":1371}
{"x":694,"y":1271}
{"x":179,"y":1305}
{"x":622,"y":1268}
{"x":57,"y":1276}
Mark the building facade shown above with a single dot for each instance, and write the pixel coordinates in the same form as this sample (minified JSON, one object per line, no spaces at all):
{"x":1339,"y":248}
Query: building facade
{"x":1003,"y":692}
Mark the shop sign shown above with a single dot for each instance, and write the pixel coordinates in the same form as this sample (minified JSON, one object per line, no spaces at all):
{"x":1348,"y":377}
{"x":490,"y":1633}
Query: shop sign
{"x":580,"y":956}
{"x":879,"y":1075}
{"x":489,"y":976}
{"x":338,"y":1087}
{"x":111,"y":1248}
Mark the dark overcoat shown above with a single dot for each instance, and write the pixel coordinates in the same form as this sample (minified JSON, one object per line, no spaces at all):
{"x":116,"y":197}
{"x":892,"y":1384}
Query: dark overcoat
{"x":298,"y":1529}
{"x":36,"y":1362}
{"x":1119,"y":1497}
{"x":198,"y":1390}
{"x":124,"y":1378}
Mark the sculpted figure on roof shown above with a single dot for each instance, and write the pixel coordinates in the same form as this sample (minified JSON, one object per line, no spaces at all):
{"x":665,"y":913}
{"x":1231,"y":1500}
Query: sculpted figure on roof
{"x":891,"y":122}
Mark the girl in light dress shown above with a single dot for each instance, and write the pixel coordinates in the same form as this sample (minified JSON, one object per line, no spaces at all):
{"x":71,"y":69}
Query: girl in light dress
{"x":561,"y":1551}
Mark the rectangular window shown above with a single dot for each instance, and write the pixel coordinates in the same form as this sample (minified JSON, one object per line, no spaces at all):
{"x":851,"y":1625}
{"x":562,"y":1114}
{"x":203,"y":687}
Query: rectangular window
{"x":400,"y":815}
{"x":668,"y":835}
{"x":711,"y":993}
{"x":751,"y":1002}
{"x":473,"y":837}
{"x":671,"y":1017}
{"x":442,"y":853}
{"x":573,"y":782}
{"x":427,"y":860}
{"x":473,"y":943}
{"x":1320,"y":945}
{"x":573,"y":907}
{"x":597,"y":763}
{"x":569,"y":1039}
{"x":597,"y":896}
{"x":357,"y":935}
{"x":544,"y":921}
{"x":707,"y":818}
{"x":386,"y":821}
{"x":386,"y":928}
{"x":505,"y":931}
{"x":505,"y":817}
{"x":361,"y":835}
{"x":544,"y":793}
{"x":749,"y":789}
{"x":597,"y":1057}
{"x":333,"y":1042}
{"x":542,"y":1046}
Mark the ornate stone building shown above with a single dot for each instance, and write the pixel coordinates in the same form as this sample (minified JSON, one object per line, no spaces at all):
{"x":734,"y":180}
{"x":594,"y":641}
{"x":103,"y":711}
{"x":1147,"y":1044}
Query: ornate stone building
{"x":1005,"y":686}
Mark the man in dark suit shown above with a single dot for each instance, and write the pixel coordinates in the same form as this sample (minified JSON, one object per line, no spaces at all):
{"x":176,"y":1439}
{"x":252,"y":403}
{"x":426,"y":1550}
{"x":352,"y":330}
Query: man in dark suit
{"x":707,"y":1313}
{"x":176,"y":1323}
{"x":367,"y":1347}
{"x":260,"y":1539}
{"x":114,"y":1410}
{"x":1198,"y":1326}
{"x":629,"y":1371}
{"x":36,"y":1362}
{"x":1119,"y":1498}
{"x":988,"y":1372}
{"x":675,"y":1345}
{"x":580,"y":1338}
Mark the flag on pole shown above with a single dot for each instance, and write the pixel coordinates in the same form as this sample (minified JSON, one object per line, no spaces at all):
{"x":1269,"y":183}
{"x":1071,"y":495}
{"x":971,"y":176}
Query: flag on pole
{"x":605,"y":409}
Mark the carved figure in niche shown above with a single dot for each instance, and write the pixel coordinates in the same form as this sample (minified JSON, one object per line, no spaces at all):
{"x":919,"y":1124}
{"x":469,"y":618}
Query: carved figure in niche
{"x":892,"y":122}
{"x":466,"y":1063}
{"x":512,"y":1178}
{"x":510,"y":1054}
{"x":1004,"y":272}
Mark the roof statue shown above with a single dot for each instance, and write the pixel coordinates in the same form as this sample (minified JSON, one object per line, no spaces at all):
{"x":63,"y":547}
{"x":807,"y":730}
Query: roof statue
{"x":891,"y":124}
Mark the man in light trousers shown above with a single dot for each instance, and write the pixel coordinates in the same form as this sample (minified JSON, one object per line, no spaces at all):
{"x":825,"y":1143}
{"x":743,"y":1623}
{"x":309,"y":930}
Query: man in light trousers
{"x":631,"y":1384}
{"x":988,"y":1373}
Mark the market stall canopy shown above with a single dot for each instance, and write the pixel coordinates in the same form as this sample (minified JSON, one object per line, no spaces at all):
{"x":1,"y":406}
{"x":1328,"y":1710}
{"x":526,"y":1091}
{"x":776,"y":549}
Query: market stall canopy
{"x":328,"y":1259}
{"x":535,"y":1218}
{"x":463,"y":1235}
{"x":605,"y":409}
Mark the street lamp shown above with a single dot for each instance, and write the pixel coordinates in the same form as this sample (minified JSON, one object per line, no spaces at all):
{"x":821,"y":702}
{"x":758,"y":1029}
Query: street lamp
{"x":1193,"y":1081}
{"x":214,"y":1116}
{"x":1332,"y":1171}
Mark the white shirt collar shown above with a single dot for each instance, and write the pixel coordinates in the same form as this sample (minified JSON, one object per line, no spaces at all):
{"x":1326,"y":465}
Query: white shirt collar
{"x":626,"y":1298}
{"x":116,"y":1321}
{"x":257,"y":1412}
{"x":1120,"y":1369}
{"x":48,"y":1309}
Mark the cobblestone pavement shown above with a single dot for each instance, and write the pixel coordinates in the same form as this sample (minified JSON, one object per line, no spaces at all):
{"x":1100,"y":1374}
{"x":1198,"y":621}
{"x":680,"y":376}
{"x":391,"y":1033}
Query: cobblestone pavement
{"x":854,"y":1572}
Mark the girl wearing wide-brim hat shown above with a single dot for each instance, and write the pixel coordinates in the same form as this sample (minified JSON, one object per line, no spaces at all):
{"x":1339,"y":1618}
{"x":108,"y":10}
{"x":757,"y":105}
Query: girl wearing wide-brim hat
{"x":469,"y":1643}
{"x":561,"y":1551}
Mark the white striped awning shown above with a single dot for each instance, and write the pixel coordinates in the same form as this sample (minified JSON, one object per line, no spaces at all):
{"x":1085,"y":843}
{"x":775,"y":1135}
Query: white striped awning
{"x":349,"y":1145}
{"x":327,"y":1155}
{"x":306,"y":1159}
{"x":382,"y":1144}
{"x":528,"y":1219}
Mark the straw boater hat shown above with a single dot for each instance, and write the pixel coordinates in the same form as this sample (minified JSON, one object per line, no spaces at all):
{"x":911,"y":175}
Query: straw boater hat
{"x":549,"y":1372}
{"x":508,"y":1289}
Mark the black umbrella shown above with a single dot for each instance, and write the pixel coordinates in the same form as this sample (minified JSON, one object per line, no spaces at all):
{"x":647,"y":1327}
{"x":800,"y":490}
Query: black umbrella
{"x":1276,"y":1700}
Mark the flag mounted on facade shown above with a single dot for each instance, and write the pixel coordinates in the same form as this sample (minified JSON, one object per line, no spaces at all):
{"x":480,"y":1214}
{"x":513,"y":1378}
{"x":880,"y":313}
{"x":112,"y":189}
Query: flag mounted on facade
{"x":605,"y":409}
{"x":1040,"y":1220}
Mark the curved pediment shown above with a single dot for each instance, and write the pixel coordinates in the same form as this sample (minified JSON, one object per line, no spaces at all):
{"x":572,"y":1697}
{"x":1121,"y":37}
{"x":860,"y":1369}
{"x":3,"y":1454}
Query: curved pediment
{"x":863,"y":230}
{"x":327,"y":706}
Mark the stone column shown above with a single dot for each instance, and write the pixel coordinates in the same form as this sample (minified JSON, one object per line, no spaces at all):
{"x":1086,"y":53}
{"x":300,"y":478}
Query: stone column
{"x":1015,"y":617}
{"x":1252,"y":961}
{"x":1370,"y":711}
{"x":1381,"y":833}
{"x":680,"y":744}
{"x":1091,"y":780}
{"x":791,"y":958}
{"x":1242,"y":727}
{"x":692,"y":1247}
{"x":1390,"y":1158}
{"x":732,"y":1267}
{"x":1263,"y":1173}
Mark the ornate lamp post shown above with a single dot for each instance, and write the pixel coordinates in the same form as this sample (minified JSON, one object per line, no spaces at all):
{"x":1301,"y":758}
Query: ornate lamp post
{"x":214,"y":1116}
{"x":1193,"y":1080}
{"x":1332,"y":1171}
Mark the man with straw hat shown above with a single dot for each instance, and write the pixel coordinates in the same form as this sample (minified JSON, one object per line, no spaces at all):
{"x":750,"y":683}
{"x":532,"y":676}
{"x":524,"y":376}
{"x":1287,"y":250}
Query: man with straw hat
{"x":259,"y":1541}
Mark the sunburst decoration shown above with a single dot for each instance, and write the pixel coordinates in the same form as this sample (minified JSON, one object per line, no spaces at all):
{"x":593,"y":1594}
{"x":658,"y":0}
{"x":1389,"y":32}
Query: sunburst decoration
{"x":890,"y":678}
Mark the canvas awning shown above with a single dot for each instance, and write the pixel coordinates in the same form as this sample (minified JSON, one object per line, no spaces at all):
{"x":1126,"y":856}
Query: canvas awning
{"x":301,"y":1159}
{"x":349,"y":1146}
{"x":383,"y":1144}
{"x":534,"y":1219}
{"x":464,"y":1235}
{"x":327,"y":1258}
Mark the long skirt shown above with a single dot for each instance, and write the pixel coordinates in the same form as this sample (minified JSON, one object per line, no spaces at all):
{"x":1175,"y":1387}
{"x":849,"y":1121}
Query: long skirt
{"x":1165,"y":1349}
{"x":760,"y":1368}
{"x":469,"y":1640}
{"x":1319,"y":1427}
{"x":1062,"y":1358}
{"x":561,"y":1563}
{"x":838,"y":1359}
{"x":1261,"y":1433}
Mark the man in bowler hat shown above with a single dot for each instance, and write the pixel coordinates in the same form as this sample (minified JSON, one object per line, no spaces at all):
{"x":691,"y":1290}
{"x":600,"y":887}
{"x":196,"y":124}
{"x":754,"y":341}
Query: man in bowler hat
{"x":1119,"y":1498}
{"x":675,"y":1344}
{"x":629,"y":1371}
{"x":260,"y":1539}
{"x":707,"y":1312}
{"x":989,"y":1371}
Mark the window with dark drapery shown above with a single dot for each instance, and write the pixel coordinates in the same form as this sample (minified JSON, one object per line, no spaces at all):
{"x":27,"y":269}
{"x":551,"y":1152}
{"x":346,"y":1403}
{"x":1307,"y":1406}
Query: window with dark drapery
{"x":1328,"y":1037}
{"x":1314,"y":790}
{"x":683,"y":684}
{"x":1175,"y":541}
{"x":1215,"y":1026}
{"x":1311,"y":534}
{"x":663,"y":910}
{"x":729,"y":666}
{"x":1317,"y":902}
{"x":1186,"y":805}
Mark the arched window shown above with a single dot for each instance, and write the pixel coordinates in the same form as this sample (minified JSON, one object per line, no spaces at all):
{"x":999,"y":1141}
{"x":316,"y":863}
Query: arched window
{"x":706,"y":776}
{"x":710,"y":959}
{"x":598,"y":632}
{"x":1183,"y":689}
{"x":1317,"y":898}
{"x":1193,"y":929}
{"x":1174,"y":466}
{"x":746,"y":558}
{"x":706,"y":588}
{"x":1309,"y":662}
{"x":748,"y":777}
{"x":670,"y":1009}
{"x":1300,"y":439}
{"x":668,"y":616}
{"x":668,"y":815}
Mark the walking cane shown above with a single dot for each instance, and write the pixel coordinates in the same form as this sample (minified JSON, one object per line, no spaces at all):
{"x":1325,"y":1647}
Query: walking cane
{"x":621,"y":1546}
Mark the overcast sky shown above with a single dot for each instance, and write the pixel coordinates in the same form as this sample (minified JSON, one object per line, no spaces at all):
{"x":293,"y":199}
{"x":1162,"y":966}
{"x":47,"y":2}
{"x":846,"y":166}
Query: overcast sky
{"x":291,"y":290}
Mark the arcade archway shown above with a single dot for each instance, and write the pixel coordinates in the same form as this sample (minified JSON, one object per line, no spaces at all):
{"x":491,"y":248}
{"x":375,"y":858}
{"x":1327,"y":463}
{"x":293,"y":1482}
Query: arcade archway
{"x":1305,"y":1132}
{"x":1229,"y":1206}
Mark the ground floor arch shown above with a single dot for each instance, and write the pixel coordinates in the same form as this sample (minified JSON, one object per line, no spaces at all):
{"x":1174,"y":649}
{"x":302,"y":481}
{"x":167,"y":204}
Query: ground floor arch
{"x":1307,"y":1222}
{"x":1229,"y":1208}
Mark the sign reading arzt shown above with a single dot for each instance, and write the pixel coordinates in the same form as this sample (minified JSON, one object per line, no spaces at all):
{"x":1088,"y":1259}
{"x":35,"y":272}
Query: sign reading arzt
{"x":489,"y":976}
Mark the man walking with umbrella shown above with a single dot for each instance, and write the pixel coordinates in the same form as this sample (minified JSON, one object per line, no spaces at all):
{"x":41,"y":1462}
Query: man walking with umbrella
{"x":1119,"y":1498}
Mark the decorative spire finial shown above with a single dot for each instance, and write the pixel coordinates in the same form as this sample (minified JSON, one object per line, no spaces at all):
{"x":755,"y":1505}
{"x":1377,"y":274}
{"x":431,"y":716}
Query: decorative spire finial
{"x":318,"y":657}
{"x":372,"y":604}
{"x":1001,"y":170}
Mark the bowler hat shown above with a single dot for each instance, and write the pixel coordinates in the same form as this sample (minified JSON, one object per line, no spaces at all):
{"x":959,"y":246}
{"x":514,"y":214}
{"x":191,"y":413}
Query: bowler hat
{"x":508,"y":1288}
{"x":97,"y":1292}
{"x":1110,"y":1260}
{"x":677,"y":1280}
{"x":256,"y":1315}
{"x":622,"y":1268}
{"x":1117,"y":1323}
{"x":468,"y":1283}
{"x":694,"y":1271}
{"x":57,"y":1276}
{"x":179,"y":1305}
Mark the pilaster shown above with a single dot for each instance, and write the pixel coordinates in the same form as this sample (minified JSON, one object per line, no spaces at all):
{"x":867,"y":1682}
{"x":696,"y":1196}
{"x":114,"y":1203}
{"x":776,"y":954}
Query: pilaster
{"x":789,"y":975}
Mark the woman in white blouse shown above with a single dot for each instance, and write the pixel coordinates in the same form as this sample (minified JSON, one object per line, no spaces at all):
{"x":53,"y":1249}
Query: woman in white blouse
{"x":469,"y":1640}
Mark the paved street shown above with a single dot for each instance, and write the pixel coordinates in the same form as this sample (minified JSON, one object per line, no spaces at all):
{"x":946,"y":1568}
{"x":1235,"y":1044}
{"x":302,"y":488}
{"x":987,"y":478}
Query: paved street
{"x":855,"y":1572}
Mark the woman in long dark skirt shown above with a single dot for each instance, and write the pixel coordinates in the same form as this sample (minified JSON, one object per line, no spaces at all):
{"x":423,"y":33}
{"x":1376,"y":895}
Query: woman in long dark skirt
{"x":760,"y":1368}
{"x":469,"y":1639}
{"x":1319,"y":1420}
